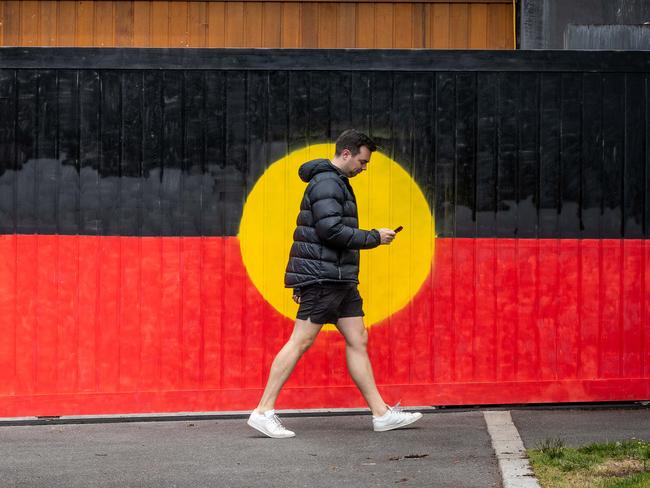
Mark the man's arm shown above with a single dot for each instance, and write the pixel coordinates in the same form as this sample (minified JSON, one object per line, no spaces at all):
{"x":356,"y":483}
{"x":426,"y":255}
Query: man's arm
{"x":327,"y":199}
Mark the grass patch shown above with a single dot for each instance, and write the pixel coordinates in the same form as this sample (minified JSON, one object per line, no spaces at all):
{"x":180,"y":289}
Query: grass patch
{"x":623,"y":464}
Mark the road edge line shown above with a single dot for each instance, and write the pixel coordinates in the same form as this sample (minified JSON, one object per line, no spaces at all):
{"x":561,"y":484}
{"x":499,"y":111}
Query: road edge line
{"x":509,"y":449}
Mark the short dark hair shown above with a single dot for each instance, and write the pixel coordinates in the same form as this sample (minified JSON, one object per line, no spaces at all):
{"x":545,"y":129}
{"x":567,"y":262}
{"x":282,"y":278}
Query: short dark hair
{"x":352,"y":140}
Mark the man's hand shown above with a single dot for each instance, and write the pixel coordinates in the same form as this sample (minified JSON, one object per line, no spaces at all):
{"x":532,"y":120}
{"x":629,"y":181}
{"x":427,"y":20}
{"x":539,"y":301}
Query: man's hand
{"x":296,"y":298}
{"x":387,"y":235}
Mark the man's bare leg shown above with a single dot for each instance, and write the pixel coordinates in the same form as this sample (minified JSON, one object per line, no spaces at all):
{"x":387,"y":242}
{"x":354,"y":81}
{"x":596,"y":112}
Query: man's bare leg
{"x":356,"y":341}
{"x":303,"y":335}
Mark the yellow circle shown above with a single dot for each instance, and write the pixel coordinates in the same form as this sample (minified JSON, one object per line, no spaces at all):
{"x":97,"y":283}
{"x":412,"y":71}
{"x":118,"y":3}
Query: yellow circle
{"x":387,"y":196}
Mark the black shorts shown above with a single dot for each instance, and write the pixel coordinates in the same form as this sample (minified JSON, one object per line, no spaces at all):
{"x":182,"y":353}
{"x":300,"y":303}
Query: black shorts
{"x":326,"y":303}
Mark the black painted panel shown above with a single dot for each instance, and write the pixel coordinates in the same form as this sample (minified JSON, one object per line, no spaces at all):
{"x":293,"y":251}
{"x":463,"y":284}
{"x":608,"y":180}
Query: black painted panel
{"x":570,"y":140}
{"x":592,"y":155}
{"x":298,"y":103}
{"x":340,"y":102}
{"x":110,"y":183}
{"x":445,"y":153}
{"x":613,"y":153}
{"x":465,"y":142}
{"x":8,"y":174}
{"x":381,"y":111}
{"x":131,"y":147}
{"x":48,"y":168}
{"x":360,"y":101}
{"x":549,"y":151}
{"x":646,"y":153}
{"x":511,"y":153}
{"x":90,"y":218}
{"x":152,"y":145}
{"x":402,"y":124}
{"x":423,"y":138}
{"x":486,"y":155}
{"x":68,"y":195}
{"x":28,"y":178}
{"x":219,"y":185}
{"x":528,"y":155}
{"x":319,"y":114}
{"x":634,"y":163}
{"x":192,"y":194}
{"x":507,"y":172}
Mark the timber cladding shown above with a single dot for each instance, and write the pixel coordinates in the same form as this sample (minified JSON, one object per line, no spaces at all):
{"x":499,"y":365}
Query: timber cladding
{"x":289,"y":24}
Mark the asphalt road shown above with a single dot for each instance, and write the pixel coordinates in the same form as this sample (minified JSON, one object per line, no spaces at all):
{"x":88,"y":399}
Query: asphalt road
{"x":441,"y":450}
{"x":446,"y":448}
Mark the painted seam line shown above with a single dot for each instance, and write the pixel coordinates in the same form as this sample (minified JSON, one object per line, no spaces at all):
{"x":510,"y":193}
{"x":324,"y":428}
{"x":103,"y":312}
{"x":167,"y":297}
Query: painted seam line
{"x":513,"y":462}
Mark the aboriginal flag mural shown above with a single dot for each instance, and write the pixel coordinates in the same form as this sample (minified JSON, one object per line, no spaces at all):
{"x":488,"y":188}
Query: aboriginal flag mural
{"x":148,"y":199}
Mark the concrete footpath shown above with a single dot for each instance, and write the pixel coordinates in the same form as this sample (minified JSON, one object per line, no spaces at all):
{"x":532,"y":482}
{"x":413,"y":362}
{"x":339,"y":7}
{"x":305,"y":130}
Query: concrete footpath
{"x":447,"y":448}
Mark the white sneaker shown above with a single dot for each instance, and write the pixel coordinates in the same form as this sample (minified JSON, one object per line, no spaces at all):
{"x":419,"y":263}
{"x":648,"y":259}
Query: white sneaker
{"x":394,"y":418}
{"x":269,"y":424}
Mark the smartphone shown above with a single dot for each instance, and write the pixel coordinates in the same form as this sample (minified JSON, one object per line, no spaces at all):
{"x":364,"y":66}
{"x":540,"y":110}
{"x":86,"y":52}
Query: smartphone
{"x":398,"y":229}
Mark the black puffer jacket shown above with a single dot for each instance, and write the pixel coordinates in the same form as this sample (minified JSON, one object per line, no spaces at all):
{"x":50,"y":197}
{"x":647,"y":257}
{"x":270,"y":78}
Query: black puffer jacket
{"x":327,"y":238}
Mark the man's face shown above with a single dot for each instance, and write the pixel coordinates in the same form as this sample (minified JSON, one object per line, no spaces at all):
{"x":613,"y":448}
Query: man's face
{"x":356,"y":164}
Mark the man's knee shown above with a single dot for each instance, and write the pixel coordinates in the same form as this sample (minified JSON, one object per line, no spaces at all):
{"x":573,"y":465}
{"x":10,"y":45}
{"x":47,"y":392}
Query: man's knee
{"x":302,"y":343}
{"x":359,"y":340}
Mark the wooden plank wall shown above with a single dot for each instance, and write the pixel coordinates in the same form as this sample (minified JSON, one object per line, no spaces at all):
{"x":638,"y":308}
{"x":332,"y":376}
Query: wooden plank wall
{"x":290,"y":24}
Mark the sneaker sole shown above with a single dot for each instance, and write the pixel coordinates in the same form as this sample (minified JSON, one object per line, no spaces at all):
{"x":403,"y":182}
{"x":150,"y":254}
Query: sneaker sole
{"x":417,"y":417}
{"x":267,"y":433}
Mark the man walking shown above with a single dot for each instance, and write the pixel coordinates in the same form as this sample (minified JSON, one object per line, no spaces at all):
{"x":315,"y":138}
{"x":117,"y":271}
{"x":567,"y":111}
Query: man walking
{"x":323,"y":270}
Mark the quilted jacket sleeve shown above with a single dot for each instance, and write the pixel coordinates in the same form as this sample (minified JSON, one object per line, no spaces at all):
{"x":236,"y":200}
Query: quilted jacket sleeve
{"x":327,"y":198}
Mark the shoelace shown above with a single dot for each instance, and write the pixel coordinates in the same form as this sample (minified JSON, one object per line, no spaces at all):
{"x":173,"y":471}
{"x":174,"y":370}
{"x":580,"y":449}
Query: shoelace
{"x":276,"y":421}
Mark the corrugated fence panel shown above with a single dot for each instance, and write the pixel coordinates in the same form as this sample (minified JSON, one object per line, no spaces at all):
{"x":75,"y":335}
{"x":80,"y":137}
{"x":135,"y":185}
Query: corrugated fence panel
{"x":125,"y":283}
{"x":433,"y":24}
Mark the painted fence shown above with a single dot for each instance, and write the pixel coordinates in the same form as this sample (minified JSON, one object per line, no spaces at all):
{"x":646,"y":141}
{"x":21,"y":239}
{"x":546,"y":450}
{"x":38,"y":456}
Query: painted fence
{"x":148,"y":198}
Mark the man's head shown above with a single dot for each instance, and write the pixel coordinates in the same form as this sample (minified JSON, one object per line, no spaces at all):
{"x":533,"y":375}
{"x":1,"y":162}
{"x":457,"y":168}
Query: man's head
{"x":353,"y":150}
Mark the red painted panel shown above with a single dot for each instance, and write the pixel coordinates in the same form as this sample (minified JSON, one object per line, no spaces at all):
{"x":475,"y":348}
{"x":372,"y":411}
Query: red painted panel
{"x":150,"y":316}
{"x":26,"y":313}
{"x":129,"y":313}
{"x":107,"y":333}
{"x":127,"y":324}
{"x":611,"y":310}
{"x":232,"y":340}
{"x":527,"y":301}
{"x":212,"y":306}
{"x":464,"y":308}
{"x":8,"y":313}
{"x":88,"y":310}
{"x":486,"y":329}
{"x":191,"y":311}
{"x":379,"y":341}
{"x":443,"y":293}
{"x":45,"y":340}
{"x":567,"y":309}
{"x":66,"y":360}
{"x":170,"y":324}
{"x":507,"y":286}
{"x":645,"y":333}
{"x":548,"y":285}
{"x":633,"y":320}
{"x":422,"y":336}
{"x":588,"y":308}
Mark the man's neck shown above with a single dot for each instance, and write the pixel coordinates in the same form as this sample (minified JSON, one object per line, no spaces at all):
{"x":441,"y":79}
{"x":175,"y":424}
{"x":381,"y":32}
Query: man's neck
{"x":338,"y":164}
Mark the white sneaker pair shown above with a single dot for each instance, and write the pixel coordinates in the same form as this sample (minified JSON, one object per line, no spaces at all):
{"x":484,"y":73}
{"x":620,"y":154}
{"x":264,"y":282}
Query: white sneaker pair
{"x":269,"y":423}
